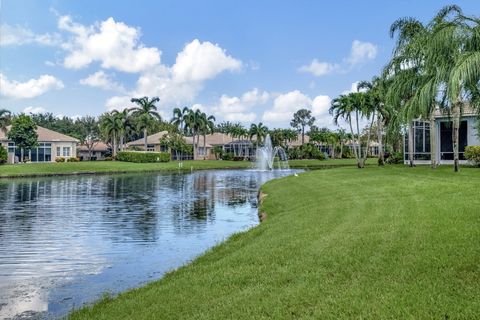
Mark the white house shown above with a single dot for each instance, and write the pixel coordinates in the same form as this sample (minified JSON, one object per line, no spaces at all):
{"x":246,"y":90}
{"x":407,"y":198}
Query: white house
{"x":51,"y":145}
{"x":468,"y":136}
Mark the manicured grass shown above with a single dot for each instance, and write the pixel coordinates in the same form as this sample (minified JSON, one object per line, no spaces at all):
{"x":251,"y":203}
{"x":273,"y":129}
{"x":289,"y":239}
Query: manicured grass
{"x":43,"y":169}
{"x":375,"y":243}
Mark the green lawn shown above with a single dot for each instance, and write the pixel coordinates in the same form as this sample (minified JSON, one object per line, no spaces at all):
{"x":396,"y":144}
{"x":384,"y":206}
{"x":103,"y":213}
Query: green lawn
{"x":42,"y":169}
{"x":375,"y":243}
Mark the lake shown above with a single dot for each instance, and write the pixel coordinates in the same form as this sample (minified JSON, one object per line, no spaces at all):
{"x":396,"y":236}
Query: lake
{"x":68,"y":241}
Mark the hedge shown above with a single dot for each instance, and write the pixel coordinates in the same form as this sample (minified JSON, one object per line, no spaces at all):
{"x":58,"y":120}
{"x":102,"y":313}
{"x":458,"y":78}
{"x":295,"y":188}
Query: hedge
{"x":472,"y":154}
{"x":142,"y":156}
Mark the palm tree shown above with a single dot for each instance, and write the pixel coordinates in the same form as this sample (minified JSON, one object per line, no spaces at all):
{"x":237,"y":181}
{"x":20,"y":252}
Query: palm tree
{"x":179,"y":117}
{"x":5,"y":117}
{"x":259,"y":130}
{"x":207,"y":126}
{"x":193,"y":123}
{"x":146,"y":112}
{"x":127,"y":125}
{"x":111,"y":125}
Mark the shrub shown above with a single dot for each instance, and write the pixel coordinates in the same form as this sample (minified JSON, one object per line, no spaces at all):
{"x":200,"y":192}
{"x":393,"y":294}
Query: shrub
{"x":394,"y":158}
{"x":73,"y":159}
{"x":109,"y":158}
{"x":3,"y":155}
{"x":307,"y":151}
{"x":472,"y":154}
{"x":227,"y":156}
{"x":59,"y":159}
{"x":143,"y":156}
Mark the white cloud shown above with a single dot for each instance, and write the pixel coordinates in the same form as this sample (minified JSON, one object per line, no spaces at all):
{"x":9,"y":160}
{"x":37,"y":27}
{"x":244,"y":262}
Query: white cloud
{"x":240,"y":108}
{"x":118,"y":103}
{"x":34,"y":110}
{"x":318,"y":68}
{"x":362,"y":52}
{"x":181,"y":83}
{"x":199,"y":61}
{"x":285,"y":105}
{"x":101,"y":80}
{"x":29,"y":89}
{"x":17,"y":36}
{"x":114,"y":44}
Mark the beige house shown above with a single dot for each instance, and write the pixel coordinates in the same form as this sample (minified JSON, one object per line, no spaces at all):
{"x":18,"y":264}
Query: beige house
{"x":99,"y":151}
{"x":51,"y":145}
{"x":211,"y":140}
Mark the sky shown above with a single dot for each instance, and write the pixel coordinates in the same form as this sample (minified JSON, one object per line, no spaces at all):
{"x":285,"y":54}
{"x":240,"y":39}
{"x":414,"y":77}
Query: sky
{"x":241,"y":61}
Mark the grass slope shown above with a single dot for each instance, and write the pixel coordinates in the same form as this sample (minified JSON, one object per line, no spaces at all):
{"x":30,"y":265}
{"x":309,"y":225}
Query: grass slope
{"x":91,"y":167}
{"x":376,"y":243}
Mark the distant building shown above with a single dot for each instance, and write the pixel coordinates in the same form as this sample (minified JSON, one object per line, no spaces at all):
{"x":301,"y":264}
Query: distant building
{"x":51,"y":145}
{"x":99,"y":152}
{"x":468,"y":136}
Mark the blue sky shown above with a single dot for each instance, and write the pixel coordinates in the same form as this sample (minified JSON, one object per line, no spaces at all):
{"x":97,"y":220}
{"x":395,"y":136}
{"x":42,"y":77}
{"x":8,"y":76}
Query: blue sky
{"x":241,"y":61}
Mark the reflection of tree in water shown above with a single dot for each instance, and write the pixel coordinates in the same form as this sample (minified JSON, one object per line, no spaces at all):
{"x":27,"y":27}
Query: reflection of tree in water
{"x":238,"y":190}
{"x":195,"y":203}
{"x":132,"y":209}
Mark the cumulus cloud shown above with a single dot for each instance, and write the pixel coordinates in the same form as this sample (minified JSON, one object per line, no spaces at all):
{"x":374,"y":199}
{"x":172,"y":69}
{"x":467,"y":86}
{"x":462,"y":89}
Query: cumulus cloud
{"x":318,"y":68}
{"x":114,"y":44}
{"x":240,"y":108}
{"x":199,"y":61}
{"x":34,"y":110}
{"x":362,"y":52}
{"x":17,"y":36}
{"x":101,"y":80}
{"x":29,"y":89}
{"x":285,"y":105}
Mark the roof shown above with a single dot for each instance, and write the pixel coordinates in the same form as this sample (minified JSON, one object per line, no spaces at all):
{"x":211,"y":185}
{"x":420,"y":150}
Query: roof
{"x":151,"y":139}
{"x":45,"y":135}
{"x":467,"y":111}
{"x":99,"y":146}
{"x":298,"y":142}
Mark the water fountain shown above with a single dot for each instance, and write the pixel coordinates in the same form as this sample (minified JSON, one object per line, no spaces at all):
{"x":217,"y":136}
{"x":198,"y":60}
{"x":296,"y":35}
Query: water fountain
{"x":267,"y":157}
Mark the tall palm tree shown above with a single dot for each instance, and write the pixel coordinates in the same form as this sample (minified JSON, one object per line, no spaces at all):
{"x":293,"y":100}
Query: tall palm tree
{"x":127,"y":125}
{"x":5,"y":117}
{"x":111,"y":125}
{"x":146,"y":112}
{"x":259,"y":130}
{"x":207,"y":126}
{"x":179,"y":117}
{"x":193,"y":123}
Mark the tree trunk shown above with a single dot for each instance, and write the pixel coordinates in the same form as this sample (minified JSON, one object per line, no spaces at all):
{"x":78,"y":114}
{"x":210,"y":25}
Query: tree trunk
{"x":341,"y":149}
{"x":145,"y":138}
{"x":368,"y":139}
{"x":381,"y":157}
{"x":204,"y":148}
{"x":360,"y":162}
{"x":303,"y":135}
{"x":433,"y":141}
{"x":353,"y":141}
{"x":455,"y":138}
{"x":114,"y":144}
{"x":121,"y":142}
{"x":410,"y":144}
{"x":194,"y":146}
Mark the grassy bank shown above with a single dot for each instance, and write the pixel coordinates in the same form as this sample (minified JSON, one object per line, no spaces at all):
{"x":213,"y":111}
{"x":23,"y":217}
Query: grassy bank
{"x":376,"y":243}
{"x":92,"y":167}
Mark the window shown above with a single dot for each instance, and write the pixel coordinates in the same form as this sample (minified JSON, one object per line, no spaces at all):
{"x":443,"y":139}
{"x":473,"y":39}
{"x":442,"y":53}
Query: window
{"x":11,"y":147}
{"x":150,"y":147}
{"x":66,"y":151}
{"x":59,"y":153}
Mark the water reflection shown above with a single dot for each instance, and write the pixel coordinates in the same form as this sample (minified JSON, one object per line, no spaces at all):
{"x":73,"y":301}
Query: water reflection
{"x":65,"y":241}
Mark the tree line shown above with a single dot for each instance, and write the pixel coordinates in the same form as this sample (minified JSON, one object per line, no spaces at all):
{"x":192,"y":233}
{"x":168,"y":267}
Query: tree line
{"x":435,"y":67}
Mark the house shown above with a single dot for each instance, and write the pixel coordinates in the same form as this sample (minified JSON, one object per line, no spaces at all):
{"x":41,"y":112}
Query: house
{"x":51,"y":145}
{"x":99,"y":151}
{"x":211,"y":141}
{"x":468,"y":136}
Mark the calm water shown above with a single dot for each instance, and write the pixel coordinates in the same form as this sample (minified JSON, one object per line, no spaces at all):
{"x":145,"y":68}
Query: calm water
{"x":66,"y":241}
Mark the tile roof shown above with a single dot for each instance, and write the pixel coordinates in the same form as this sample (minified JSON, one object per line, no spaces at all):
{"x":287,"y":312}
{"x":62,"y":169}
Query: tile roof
{"x":45,"y":134}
